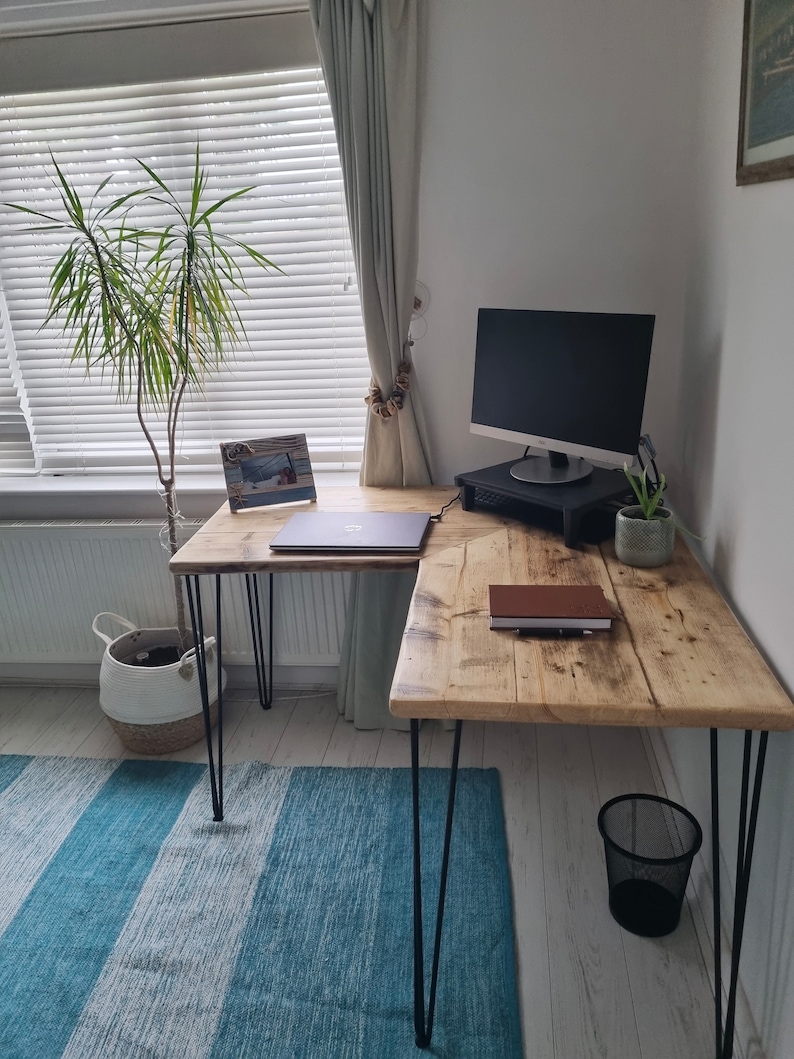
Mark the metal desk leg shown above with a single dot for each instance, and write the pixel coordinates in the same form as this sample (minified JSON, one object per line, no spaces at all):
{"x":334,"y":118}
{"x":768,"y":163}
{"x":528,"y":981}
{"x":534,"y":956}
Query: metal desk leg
{"x":744,"y":859}
{"x":264,"y":680}
{"x":197,"y":621}
{"x":422,"y":1027}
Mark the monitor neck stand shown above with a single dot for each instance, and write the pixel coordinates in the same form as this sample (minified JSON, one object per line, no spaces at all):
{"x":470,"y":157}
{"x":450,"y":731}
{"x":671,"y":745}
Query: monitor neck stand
{"x":554,"y":470}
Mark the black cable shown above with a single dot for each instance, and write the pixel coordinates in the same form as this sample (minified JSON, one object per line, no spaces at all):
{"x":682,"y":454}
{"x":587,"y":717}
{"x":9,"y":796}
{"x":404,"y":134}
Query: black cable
{"x":440,"y":515}
{"x":647,"y":444}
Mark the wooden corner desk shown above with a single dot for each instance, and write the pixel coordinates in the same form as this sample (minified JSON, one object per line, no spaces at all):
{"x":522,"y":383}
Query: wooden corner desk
{"x":675,"y":657}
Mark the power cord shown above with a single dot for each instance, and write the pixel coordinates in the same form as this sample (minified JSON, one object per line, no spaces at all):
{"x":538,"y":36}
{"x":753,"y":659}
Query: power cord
{"x":440,"y":515}
{"x":647,"y":444}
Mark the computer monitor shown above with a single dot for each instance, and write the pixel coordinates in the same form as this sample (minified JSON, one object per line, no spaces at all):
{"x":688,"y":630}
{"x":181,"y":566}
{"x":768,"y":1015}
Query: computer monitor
{"x":567,"y":382}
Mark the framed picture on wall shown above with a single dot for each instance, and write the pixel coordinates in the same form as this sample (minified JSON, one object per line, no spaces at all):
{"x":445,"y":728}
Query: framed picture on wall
{"x":766,"y":111}
{"x":267,"y":471}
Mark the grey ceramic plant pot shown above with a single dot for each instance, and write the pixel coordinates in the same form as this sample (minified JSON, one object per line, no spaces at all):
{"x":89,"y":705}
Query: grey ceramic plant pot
{"x":644,"y":542}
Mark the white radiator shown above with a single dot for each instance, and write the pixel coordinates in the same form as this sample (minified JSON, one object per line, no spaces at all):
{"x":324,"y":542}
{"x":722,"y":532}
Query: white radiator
{"x":56,"y":576}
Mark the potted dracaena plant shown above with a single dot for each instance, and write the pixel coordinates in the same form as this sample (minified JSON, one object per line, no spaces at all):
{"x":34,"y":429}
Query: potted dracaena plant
{"x":152,"y":306}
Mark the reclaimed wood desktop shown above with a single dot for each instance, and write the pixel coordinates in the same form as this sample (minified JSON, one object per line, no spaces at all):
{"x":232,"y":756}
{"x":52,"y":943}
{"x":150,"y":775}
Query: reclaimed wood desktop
{"x":239,"y":542}
{"x":675,"y":657}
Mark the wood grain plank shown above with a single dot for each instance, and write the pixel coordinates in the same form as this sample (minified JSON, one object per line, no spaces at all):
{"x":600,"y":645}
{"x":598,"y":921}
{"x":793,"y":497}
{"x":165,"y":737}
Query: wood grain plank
{"x":102,"y":742}
{"x":471,"y":745}
{"x":72,"y":726}
{"x":351,"y":747}
{"x":239,"y":542}
{"x":395,"y":748}
{"x":512,"y":749}
{"x":481,"y":665}
{"x":24,"y":727}
{"x":590,"y":980}
{"x":13,"y":699}
{"x":425,"y":648}
{"x":259,"y":731}
{"x":453,"y":665}
{"x":675,"y":655}
{"x":701,"y":664}
{"x":308,"y":732}
{"x":670,"y":989}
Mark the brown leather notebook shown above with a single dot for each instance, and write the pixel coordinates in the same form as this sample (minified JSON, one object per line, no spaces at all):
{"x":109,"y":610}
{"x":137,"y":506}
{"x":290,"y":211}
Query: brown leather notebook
{"x":548,"y":607}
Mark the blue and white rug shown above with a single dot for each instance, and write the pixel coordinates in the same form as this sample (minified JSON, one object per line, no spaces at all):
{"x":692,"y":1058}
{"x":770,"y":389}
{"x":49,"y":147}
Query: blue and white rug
{"x":133,"y":927}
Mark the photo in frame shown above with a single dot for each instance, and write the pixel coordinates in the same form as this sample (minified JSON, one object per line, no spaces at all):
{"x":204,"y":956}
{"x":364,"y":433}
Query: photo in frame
{"x":766,"y":111}
{"x":267,"y":471}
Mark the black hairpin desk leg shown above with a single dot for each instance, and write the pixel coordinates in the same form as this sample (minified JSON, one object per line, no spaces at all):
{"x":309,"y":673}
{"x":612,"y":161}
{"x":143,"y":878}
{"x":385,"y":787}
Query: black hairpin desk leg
{"x":744,"y":860}
{"x":264,"y":679}
{"x":197,"y":621}
{"x":424,"y":1027}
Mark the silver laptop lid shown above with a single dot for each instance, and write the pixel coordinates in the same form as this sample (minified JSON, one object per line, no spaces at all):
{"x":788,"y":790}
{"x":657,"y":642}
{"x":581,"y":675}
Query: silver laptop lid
{"x":353,"y":531}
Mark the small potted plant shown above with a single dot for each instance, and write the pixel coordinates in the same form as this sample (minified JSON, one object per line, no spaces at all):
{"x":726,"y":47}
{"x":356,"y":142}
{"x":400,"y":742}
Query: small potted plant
{"x":645,"y":531}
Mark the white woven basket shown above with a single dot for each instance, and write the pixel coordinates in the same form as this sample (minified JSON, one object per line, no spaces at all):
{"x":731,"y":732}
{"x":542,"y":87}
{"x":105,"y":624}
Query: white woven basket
{"x":140,"y":695}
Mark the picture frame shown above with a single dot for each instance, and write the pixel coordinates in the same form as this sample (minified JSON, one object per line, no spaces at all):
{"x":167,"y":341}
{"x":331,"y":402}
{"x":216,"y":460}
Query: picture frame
{"x":262,"y":471}
{"x":766,"y":109}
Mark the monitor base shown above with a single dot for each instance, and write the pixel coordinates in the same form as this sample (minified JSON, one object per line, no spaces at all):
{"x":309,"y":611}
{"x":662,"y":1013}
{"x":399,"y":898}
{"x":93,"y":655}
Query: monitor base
{"x":540,"y":470}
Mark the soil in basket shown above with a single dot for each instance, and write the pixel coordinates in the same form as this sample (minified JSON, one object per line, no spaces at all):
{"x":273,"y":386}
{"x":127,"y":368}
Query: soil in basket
{"x":156,"y":656}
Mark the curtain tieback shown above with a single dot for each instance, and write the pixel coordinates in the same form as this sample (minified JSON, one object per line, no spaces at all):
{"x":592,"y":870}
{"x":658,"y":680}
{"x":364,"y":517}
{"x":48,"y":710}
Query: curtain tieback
{"x":394,"y":403}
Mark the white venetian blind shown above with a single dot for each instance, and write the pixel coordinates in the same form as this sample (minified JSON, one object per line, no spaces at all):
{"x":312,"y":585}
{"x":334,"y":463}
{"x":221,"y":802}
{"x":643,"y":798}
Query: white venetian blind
{"x":16,"y":452}
{"x":303,"y":368}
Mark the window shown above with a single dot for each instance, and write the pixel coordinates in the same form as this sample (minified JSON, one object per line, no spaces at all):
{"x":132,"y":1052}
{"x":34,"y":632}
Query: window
{"x":304,"y":366}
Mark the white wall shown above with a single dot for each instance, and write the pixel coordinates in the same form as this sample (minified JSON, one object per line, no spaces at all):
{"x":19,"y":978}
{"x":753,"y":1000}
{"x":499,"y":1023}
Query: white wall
{"x":735,"y":446}
{"x":555,"y":175}
{"x":738,"y":372}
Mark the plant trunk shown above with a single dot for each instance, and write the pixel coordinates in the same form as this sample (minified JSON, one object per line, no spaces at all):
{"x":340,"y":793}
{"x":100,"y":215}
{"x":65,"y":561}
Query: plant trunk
{"x":173,"y":547}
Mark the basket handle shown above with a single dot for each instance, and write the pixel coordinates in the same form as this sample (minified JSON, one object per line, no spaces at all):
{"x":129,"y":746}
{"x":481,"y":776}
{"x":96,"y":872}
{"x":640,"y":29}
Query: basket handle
{"x":186,"y":662}
{"x":116,"y":617}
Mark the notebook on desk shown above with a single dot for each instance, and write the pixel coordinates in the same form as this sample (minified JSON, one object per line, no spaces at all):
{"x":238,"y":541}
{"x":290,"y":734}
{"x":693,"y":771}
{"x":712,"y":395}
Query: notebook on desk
{"x":353,"y":531}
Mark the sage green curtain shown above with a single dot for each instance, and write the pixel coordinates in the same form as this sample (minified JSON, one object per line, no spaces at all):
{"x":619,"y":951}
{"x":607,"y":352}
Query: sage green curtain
{"x":369,"y":51}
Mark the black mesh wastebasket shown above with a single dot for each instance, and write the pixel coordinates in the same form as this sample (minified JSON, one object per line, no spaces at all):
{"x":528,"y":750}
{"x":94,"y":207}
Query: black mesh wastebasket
{"x":649,"y":844}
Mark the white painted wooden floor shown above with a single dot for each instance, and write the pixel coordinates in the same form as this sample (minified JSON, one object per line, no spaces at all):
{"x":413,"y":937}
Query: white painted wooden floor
{"x":588,"y":989}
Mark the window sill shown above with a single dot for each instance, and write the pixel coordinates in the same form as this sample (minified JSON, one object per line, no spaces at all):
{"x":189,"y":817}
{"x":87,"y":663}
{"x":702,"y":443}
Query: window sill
{"x":120,"y":496}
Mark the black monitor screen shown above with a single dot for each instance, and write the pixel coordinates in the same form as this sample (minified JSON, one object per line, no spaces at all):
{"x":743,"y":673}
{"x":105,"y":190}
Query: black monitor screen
{"x":578,"y":378}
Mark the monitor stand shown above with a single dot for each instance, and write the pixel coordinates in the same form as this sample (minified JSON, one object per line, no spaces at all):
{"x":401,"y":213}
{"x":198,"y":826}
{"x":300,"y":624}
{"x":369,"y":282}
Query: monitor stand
{"x":577,"y":509}
{"x":553,"y":469}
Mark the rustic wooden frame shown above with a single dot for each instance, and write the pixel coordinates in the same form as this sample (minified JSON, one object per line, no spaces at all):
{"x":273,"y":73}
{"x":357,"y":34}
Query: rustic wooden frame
{"x":242,"y":487}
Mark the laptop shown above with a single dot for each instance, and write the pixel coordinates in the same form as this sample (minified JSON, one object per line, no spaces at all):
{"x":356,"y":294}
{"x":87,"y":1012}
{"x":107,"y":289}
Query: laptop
{"x":353,"y":531}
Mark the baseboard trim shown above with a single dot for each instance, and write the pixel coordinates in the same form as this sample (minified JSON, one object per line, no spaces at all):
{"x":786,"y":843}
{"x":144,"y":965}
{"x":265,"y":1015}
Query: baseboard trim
{"x":700,"y":896}
{"x":83,"y":675}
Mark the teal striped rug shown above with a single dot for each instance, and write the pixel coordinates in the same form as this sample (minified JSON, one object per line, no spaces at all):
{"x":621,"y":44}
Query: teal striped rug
{"x":133,"y":927}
